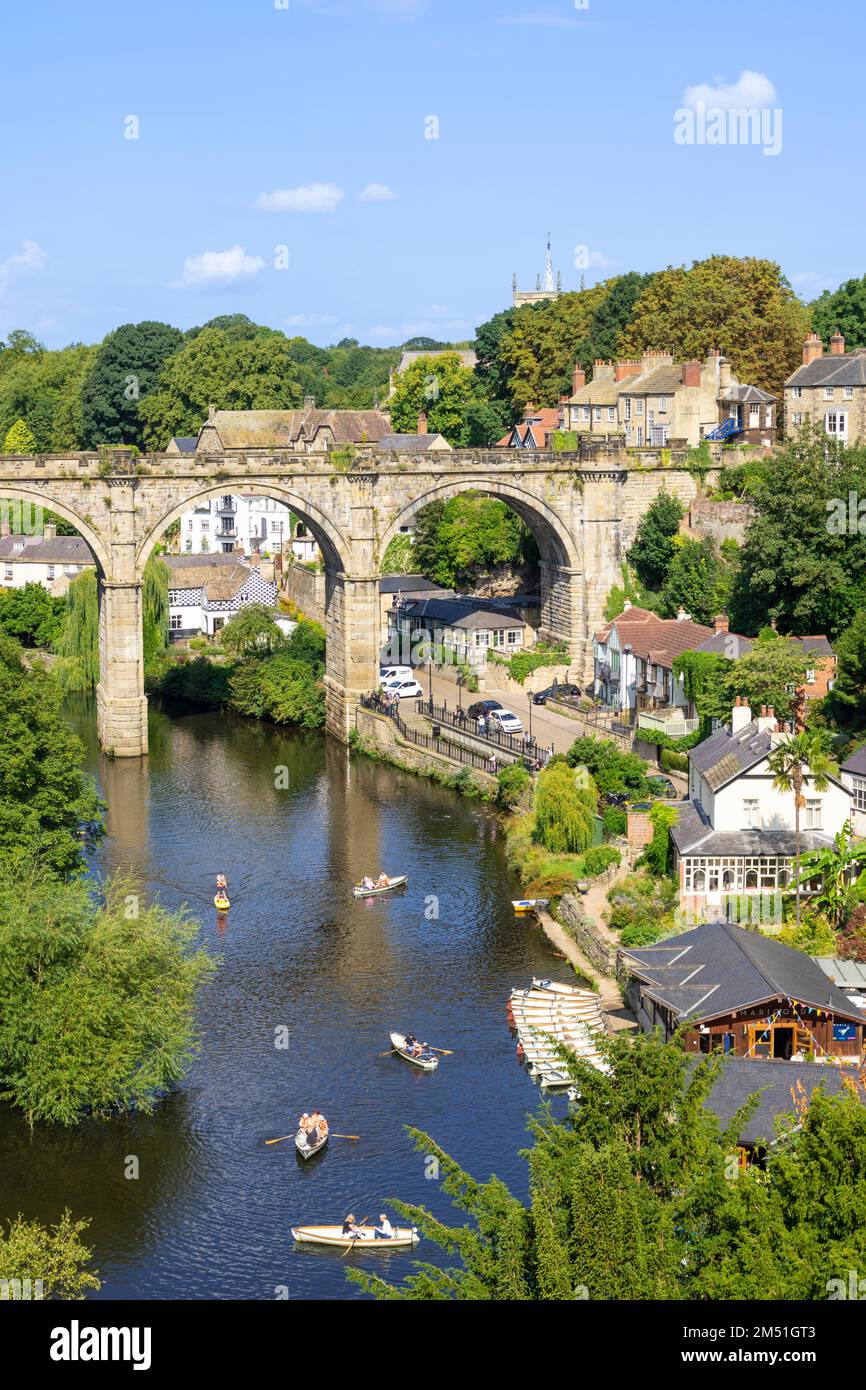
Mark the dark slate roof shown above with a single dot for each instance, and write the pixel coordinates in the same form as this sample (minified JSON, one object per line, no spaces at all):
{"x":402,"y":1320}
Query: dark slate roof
{"x":741,"y":1077}
{"x":213,"y":557}
{"x":842,"y":369}
{"x":41,"y":550}
{"x":733,"y":645}
{"x":747,"y":395}
{"x":409,"y":584}
{"x":186,"y":443}
{"x":409,"y":443}
{"x":856,"y":763}
{"x":693,"y":834}
{"x":724,"y":756}
{"x":847,"y":974}
{"x":718,"y":967}
{"x":462,"y":613}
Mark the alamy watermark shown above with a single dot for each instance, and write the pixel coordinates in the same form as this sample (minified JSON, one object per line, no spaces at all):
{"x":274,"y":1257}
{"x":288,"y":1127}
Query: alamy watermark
{"x":739,"y":113}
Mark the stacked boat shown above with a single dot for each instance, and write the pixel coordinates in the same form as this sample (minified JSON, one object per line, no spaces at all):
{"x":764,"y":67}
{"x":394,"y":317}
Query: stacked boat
{"x":569,"y":1015}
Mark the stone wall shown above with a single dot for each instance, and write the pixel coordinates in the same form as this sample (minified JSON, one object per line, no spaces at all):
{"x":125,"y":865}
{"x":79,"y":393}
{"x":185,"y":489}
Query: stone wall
{"x":376,"y":729}
{"x":721,"y":521}
{"x":306,"y":590}
{"x":588,"y":936}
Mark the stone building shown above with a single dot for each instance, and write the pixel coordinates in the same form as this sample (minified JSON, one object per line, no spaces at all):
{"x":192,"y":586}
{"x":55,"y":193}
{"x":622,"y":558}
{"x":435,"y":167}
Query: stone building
{"x":829,"y":389}
{"x":304,"y":431}
{"x":551,"y":288}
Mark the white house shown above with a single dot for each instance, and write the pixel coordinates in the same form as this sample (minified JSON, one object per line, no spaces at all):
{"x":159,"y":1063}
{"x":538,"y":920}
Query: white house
{"x":634,"y":656}
{"x":49,"y":559}
{"x":236,"y":524}
{"x":205,"y":592}
{"x":853,"y":772}
{"x":735,"y":834}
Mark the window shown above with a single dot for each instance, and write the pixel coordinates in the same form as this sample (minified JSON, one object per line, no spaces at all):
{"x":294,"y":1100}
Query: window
{"x":481,"y":639}
{"x":859,"y":793}
{"x":751,"y":819}
{"x":836,"y":423}
{"x":663,"y":405}
{"x":611,"y":413}
{"x":848,"y":393}
{"x":189,"y":524}
{"x":597,"y":412}
{"x":628,"y":407}
{"x":812,"y":815}
{"x":514,"y":636}
{"x":8,"y":572}
{"x":829,"y":392}
{"x":585,"y":412}
{"x":797,"y":417}
{"x":810,"y":677}
{"x":174,"y":622}
{"x":659,"y":435}
{"x":638,"y":407}
{"x":205,"y":527}
{"x":50,"y":571}
{"x":797,"y":391}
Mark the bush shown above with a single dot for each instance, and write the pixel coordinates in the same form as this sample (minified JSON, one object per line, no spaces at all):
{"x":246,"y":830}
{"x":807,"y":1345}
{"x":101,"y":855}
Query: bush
{"x":197,"y":682}
{"x":513,"y":782}
{"x":674,"y":762}
{"x":197,"y":644}
{"x":596,"y":860}
{"x":657,"y":855}
{"x":641,"y":903}
{"x":614,"y":820}
{"x":612,"y":770}
{"x":641,"y":934}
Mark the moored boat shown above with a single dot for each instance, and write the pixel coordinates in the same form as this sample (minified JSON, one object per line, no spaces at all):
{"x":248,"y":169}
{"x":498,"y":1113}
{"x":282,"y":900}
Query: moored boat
{"x":361,"y":892}
{"x":404,"y":1237}
{"x":529,"y":904}
{"x":306,"y":1149}
{"x":426,"y":1063}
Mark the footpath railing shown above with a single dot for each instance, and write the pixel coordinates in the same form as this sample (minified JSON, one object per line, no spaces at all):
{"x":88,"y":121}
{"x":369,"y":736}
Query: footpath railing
{"x":458,"y":752}
{"x":520,"y":745}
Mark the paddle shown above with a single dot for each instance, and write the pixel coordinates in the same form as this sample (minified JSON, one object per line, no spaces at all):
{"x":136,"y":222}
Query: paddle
{"x":352,"y":1239}
{"x":345,"y":1136}
{"x":282,"y":1139}
{"x":446,"y":1052}
{"x":391,"y":1051}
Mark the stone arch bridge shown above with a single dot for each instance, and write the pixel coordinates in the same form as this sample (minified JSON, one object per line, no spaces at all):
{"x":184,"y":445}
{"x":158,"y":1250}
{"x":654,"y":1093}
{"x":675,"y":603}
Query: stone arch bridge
{"x":582,"y":508}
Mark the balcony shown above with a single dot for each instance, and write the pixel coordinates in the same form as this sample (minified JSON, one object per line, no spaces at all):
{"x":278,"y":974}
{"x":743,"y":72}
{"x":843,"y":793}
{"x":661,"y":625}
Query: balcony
{"x":228,"y":531}
{"x":671,"y":721}
{"x":226,"y":506}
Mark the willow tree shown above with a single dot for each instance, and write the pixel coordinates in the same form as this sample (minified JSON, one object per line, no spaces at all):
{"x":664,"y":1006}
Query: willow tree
{"x":565,"y":802}
{"x":154,"y":606}
{"x":78,"y":643}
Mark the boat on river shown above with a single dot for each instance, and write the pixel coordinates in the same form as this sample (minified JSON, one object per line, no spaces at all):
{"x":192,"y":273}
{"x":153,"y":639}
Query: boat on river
{"x":426,"y":1063}
{"x":305,"y":1148}
{"x":361,"y":892}
{"x":529,"y":904}
{"x":221,"y":903}
{"x":403,"y":1237}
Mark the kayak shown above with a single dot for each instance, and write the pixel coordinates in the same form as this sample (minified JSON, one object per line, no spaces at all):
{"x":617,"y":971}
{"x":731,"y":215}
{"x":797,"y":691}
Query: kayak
{"x":305,"y":1149}
{"x":333,"y":1235}
{"x":398,"y":1042}
{"x":221,"y":903}
{"x":361,"y":892}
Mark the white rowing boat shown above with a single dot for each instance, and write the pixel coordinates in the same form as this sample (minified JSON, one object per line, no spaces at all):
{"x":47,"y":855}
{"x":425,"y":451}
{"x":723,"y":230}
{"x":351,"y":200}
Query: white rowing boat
{"x":426,"y":1062}
{"x":305,"y":1148}
{"x":361,"y":892}
{"x":404,"y":1237}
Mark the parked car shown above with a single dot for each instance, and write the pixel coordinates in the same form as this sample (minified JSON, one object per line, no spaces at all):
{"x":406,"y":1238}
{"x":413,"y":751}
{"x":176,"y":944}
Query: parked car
{"x":616,"y":798}
{"x":560,"y":690}
{"x":393,"y":673}
{"x":663,"y":786}
{"x":482,"y":707}
{"x":403,"y":688}
{"x":506,"y":720}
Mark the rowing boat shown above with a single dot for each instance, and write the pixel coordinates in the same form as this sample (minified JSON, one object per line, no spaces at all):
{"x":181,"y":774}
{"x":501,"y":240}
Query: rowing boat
{"x":333,"y":1235}
{"x":428,"y":1063}
{"x":361,"y":892}
{"x":304,"y":1148}
{"x":529,"y":904}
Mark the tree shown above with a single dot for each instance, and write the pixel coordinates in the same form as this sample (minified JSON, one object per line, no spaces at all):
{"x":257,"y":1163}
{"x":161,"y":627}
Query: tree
{"x":440,"y":388}
{"x":849,"y":690}
{"x":115,"y":980}
{"x":772,"y":673}
{"x":539,"y":352}
{"x":216,"y":368}
{"x":741,"y":305}
{"x":835,"y":868}
{"x":695,"y":581}
{"x":611,"y":770}
{"x":55,"y":1256}
{"x":800,"y":760}
{"x":154,"y":607}
{"x":564,"y":808}
{"x":77,"y":645}
{"x":454,"y":539}
{"x":125,"y":370}
{"x":19,"y":440}
{"x":48,"y":807}
{"x":654,"y":548}
{"x":31,"y":615}
{"x":252,"y":631}
{"x":399,"y":558}
{"x":842,"y":311}
{"x":307,"y":643}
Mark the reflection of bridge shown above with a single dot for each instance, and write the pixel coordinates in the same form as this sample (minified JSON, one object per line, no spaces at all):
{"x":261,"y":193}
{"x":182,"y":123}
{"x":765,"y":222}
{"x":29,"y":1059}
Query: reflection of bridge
{"x":583,"y":511}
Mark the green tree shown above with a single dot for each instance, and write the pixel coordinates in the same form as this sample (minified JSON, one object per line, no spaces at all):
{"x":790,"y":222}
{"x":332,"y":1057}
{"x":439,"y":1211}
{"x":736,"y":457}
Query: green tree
{"x":217,"y":368}
{"x":836,"y":869}
{"x":125,"y":370}
{"x":47,"y":805}
{"x":801,"y":760}
{"x":654,"y":545}
{"x":252,"y":631}
{"x":118,"y":987}
{"x":307,"y":643}
{"x":399,"y":558}
{"x":31,"y":615}
{"x":695,"y":581}
{"x":771,"y":674}
{"x":844,"y":311}
{"x":19,"y":440}
{"x":743,"y":306}
{"x":440,"y":387}
{"x":454,"y":539}
{"x":610,"y":769}
{"x":849,"y":690}
{"x":565,"y":803}
{"x":154,"y":607}
{"x":54,"y":1255}
{"x":539,"y":352}
{"x":77,"y":645}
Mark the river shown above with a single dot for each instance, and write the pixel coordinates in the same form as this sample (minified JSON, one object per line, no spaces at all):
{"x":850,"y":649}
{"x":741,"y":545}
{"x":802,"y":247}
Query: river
{"x":294,"y":820}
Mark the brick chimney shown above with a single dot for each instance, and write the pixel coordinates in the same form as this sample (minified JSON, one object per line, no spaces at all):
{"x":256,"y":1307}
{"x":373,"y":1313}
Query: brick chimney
{"x":766,"y":720}
{"x":691,"y":373}
{"x":720,"y":623}
{"x":837,"y":344}
{"x":813,"y":348}
{"x":654,"y":357}
{"x":578,"y":378}
{"x":422,"y":422}
{"x":627,"y":367}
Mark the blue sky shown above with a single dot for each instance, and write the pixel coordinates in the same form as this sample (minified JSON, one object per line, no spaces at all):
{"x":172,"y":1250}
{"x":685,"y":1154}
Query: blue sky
{"x":304,"y":127}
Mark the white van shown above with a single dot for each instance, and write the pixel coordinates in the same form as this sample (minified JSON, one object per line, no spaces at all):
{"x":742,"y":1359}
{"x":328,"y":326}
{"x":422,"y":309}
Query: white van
{"x":393,"y":673}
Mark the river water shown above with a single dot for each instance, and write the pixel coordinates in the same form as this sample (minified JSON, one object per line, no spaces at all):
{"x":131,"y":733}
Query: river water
{"x":293,"y":821}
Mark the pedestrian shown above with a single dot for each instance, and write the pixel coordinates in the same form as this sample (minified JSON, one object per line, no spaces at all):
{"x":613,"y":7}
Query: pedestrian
{"x":493,"y":764}
{"x":482,"y":725}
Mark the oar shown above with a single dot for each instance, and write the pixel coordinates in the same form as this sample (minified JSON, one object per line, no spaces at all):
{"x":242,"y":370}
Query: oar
{"x":352,"y":1240}
{"x":282,"y":1138}
{"x":394,"y":1050}
{"x":446,"y":1052}
{"x":345,"y":1136}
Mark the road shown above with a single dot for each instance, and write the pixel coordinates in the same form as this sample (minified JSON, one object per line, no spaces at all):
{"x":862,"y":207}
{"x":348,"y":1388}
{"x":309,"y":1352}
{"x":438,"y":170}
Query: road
{"x":550,"y":729}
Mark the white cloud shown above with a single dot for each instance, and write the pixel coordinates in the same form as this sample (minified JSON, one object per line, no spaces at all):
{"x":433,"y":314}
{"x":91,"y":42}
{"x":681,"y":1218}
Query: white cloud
{"x":220,"y":266}
{"x":750,"y":89}
{"x":377,"y":193}
{"x":543,"y":21}
{"x":309,"y":320}
{"x":30,"y":257}
{"x":309,"y":197}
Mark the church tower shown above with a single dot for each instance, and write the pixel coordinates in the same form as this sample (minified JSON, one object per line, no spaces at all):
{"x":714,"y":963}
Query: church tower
{"x":551,"y":288}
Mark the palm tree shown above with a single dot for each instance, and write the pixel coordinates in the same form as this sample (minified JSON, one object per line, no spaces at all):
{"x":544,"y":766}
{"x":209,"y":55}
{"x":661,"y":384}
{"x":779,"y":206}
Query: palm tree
{"x":801,"y":759}
{"x":835,"y":867}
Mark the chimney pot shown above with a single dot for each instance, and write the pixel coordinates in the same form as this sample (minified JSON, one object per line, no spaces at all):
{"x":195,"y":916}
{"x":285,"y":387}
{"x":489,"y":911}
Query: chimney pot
{"x":49,"y":531}
{"x":813,"y":348}
{"x":837,"y":344}
{"x":721,"y":623}
{"x":691,"y":373}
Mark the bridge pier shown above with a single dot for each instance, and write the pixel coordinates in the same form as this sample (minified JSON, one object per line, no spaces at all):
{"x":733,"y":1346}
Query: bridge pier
{"x":353,"y":648}
{"x":563,"y":613}
{"x":121,"y":705}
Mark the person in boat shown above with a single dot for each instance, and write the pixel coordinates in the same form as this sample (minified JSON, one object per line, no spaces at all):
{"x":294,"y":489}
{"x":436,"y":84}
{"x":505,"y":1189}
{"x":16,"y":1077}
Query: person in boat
{"x":385,"y":1231}
{"x":221,"y":884}
{"x":350,"y":1228}
{"x":367,"y":882}
{"x":321,"y":1127}
{"x":410,"y":1041}
{"x":304,"y":1126}
{"x":383,"y":881}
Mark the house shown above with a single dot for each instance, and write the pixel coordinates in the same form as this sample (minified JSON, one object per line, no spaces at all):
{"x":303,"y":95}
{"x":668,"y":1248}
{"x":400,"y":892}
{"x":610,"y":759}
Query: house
{"x":534,"y":432}
{"x":829,"y":389}
{"x":420,"y":443}
{"x":783,"y":1089}
{"x":49,"y":559}
{"x":303,"y":431}
{"x":735,"y":834}
{"x":465,"y":627}
{"x":236,"y":524}
{"x":634,"y":656}
{"x":853,"y":773}
{"x":656,"y":401}
{"x":206,"y":591}
{"x":820,"y":678}
{"x":743,"y":994}
{"x":395,"y":590}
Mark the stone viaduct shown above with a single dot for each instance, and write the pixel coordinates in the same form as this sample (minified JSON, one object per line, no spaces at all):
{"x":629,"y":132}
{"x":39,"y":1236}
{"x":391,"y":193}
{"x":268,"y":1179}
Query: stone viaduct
{"x":582,"y":508}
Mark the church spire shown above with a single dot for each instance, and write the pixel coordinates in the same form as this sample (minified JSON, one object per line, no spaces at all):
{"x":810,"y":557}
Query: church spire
{"x":548,"y":269}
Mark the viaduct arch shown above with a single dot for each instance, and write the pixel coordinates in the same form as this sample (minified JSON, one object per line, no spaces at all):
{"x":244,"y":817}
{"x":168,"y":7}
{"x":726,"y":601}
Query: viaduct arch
{"x":582,"y":508}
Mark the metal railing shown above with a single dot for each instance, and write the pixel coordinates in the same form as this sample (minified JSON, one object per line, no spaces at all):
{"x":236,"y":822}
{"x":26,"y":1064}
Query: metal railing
{"x":457,"y":752}
{"x":521,"y":745}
